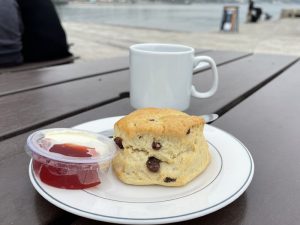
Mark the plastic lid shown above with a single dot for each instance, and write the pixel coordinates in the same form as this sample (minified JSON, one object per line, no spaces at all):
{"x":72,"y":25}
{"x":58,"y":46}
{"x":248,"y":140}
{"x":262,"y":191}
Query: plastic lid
{"x":42,"y":142}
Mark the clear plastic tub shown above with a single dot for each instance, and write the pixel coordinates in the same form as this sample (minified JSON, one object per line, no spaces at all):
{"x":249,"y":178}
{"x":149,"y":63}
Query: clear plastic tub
{"x":70,"y":158}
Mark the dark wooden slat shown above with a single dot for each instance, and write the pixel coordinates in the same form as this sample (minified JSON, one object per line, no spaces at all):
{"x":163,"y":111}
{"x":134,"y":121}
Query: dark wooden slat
{"x":28,"y":80}
{"x":238,"y":80}
{"x":37,"y":65}
{"x":268,"y":124}
{"x":24,"y":111}
{"x":233,"y":85}
{"x":224,"y":57}
{"x":32,"y":79}
{"x":117,"y":108}
{"x":20,"y":203}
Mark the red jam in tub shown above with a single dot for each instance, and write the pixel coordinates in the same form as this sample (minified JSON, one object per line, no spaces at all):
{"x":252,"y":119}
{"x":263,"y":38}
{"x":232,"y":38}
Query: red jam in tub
{"x":69,"y":158}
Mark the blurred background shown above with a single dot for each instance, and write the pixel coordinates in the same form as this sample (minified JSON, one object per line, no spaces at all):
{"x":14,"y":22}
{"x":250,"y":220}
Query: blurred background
{"x":106,"y":28}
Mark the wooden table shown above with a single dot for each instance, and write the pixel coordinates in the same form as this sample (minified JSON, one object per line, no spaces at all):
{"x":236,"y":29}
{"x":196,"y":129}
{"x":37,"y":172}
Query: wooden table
{"x":257,"y":100}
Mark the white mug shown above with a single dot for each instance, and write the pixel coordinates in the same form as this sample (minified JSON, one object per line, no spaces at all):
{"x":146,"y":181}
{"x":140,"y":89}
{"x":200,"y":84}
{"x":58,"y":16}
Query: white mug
{"x":161,"y":76}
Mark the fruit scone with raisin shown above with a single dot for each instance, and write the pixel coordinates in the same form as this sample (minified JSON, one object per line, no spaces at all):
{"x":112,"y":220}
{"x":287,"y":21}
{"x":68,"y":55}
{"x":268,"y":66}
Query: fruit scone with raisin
{"x":160,"y":146}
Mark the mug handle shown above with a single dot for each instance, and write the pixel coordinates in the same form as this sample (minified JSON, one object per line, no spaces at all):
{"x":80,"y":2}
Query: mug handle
{"x":215,"y":84}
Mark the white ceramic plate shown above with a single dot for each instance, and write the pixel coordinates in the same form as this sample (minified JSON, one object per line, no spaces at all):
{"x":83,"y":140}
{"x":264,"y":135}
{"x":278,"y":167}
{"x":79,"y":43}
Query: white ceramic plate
{"x":225,"y":179}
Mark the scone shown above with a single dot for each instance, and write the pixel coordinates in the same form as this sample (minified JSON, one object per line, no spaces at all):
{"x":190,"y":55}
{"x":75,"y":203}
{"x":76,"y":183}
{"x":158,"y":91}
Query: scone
{"x":160,"y":146}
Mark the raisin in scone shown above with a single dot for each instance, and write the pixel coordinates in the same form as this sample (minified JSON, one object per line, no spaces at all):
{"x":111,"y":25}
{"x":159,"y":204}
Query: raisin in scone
{"x":160,"y":146}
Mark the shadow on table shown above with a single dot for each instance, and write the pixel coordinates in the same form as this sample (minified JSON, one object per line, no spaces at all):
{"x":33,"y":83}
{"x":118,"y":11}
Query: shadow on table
{"x":45,"y":212}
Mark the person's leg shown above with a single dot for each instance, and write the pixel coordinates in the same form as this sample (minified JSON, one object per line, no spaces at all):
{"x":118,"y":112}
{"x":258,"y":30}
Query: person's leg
{"x":44,"y":37}
{"x":255,"y":14}
{"x":259,"y":12}
{"x":10,"y":34}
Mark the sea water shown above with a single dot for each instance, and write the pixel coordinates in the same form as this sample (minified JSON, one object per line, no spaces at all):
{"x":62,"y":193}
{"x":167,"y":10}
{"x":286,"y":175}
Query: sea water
{"x":185,"y":18}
